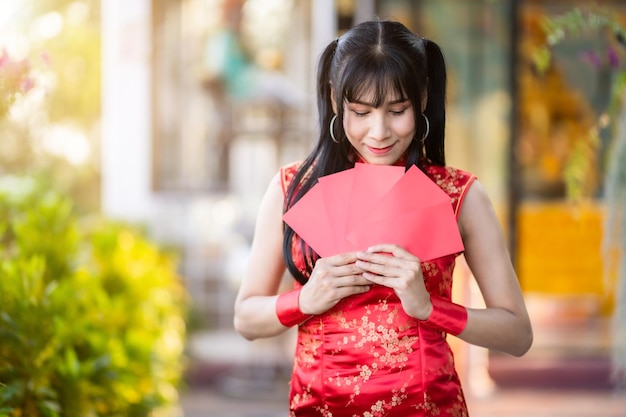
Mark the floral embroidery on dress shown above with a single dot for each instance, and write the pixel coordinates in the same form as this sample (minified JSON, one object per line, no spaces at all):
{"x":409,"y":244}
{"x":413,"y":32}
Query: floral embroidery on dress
{"x":375,"y":336}
{"x":428,"y":406}
{"x":309,"y":352}
{"x":381,"y":408}
{"x":458,"y":409}
{"x":301,"y":397}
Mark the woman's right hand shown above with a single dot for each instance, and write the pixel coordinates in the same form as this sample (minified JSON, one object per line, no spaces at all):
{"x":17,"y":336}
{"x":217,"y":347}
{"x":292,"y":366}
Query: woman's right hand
{"x":333,"y":279}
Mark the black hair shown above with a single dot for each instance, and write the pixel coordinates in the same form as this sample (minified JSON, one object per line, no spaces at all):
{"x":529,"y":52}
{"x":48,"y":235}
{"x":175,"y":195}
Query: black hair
{"x":382,"y":57}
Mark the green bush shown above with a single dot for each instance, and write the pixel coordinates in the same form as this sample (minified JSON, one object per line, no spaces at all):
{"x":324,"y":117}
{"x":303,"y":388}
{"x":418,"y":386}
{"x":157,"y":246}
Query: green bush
{"x":92,"y":314}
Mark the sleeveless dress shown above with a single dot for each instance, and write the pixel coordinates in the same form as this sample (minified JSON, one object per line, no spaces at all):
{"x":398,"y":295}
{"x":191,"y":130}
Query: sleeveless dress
{"x":366,"y":357}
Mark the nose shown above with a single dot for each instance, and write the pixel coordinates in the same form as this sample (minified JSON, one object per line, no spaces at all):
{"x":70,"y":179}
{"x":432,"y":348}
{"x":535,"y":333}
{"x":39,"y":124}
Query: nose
{"x":379,"y":127}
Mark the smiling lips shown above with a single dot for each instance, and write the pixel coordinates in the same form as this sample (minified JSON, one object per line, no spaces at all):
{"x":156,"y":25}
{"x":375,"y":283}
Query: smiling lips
{"x":380,"y":151}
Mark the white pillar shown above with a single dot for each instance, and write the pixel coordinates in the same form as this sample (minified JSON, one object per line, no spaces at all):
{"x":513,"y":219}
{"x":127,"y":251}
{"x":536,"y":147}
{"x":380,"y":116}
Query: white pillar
{"x":365,"y":10}
{"x":323,"y":30}
{"x":126,"y":119}
{"x":323,"y":25}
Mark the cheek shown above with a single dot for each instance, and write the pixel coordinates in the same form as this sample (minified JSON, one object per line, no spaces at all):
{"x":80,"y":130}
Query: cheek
{"x":354,"y":128}
{"x":405,"y":127}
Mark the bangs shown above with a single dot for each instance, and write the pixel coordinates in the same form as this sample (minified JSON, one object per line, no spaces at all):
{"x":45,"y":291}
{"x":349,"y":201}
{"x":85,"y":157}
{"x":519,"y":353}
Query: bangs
{"x":375,"y":82}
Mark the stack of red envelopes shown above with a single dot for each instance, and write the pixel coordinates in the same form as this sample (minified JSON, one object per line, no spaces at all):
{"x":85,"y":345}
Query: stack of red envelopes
{"x":372,"y":204}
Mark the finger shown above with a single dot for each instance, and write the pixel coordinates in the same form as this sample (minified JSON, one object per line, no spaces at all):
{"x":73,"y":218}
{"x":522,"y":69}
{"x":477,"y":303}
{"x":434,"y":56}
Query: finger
{"x":347,"y":270}
{"x":385,"y":259}
{"x":379,"y":269}
{"x":379,"y":259}
{"x":379,"y":279}
{"x":357,"y":289}
{"x":341,"y":259}
{"x":352,"y":281}
{"x":388,"y":248}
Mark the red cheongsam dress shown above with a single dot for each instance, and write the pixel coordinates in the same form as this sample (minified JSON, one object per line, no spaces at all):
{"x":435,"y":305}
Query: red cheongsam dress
{"x":366,"y":357}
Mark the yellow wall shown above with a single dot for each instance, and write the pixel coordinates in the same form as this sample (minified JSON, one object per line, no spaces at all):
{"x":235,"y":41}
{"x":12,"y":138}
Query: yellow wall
{"x":559,"y":250}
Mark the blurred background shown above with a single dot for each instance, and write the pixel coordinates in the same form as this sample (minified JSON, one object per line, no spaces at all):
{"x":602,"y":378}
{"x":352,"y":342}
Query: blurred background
{"x":145,"y":132}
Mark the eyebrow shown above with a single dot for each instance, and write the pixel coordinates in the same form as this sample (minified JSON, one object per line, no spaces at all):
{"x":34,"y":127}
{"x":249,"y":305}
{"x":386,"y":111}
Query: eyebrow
{"x":389,"y":103}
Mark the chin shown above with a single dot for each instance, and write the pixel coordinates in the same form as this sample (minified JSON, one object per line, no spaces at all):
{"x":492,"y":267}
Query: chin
{"x":386,"y":160}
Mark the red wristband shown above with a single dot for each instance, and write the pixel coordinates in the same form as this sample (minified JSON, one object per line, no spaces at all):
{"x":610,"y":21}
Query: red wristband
{"x":447,"y":316}
{"x":288,"y":308}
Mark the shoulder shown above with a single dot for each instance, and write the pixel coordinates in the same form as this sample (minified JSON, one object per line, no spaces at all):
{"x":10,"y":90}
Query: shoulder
{"x":453,"y":181}
{"x":478,"y":217}
{"x":448,"y":177}
{"x":287,"y":172}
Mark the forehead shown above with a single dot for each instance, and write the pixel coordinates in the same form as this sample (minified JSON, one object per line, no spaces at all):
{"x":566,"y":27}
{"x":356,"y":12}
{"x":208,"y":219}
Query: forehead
{"x":390,"y":98}
{"x":375,"y":93}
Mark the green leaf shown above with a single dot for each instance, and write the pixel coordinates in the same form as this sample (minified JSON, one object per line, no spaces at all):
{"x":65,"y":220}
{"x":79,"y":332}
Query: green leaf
{"x":50,"y":408}
{"x":84,"y":317}
{"x":72,"y":364}
{"x":541,"y":59}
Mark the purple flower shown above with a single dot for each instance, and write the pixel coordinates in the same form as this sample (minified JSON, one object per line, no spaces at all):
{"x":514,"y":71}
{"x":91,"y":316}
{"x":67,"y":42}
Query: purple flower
{"x":45,"y":58}
{"x":4,"y":59}
{"x":613,"y":58}
{"x":26,"y":84}
{"x":591,"y":57}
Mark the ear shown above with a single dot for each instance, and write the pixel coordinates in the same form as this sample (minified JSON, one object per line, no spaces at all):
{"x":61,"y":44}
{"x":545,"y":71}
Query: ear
{"x":332,"y":98}
{"x":424,"y":100}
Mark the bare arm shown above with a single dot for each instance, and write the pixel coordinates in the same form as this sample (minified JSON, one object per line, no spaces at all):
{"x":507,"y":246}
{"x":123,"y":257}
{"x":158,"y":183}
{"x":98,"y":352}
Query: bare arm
{"x":255,"y":314}
{"x":504,"y":324}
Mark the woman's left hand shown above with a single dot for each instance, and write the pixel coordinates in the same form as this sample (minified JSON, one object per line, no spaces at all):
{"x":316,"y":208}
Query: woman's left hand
{"x":394,"y":267}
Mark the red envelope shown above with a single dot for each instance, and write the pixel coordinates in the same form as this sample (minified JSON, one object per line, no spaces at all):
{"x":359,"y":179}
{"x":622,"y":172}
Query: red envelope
{"x":425,"y":232}
{"x":336,"y":194}
{"x":415,"y":214}
{"x":372,"y":204}
{"x":343,"y":191}
{"x":370,"y":183}
{"x":308,"y":219}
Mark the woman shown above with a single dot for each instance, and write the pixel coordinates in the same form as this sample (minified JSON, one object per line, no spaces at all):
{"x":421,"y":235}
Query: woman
{"x":372,"y":327}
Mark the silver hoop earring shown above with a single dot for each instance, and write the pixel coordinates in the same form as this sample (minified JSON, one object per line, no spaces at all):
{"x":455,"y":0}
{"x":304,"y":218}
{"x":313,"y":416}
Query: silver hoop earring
{"x":427,"y":128}
{"x":332,"y":129}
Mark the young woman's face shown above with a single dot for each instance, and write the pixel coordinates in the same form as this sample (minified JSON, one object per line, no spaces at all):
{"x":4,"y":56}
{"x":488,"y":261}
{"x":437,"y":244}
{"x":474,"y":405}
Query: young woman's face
{"x":380,"y":135}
